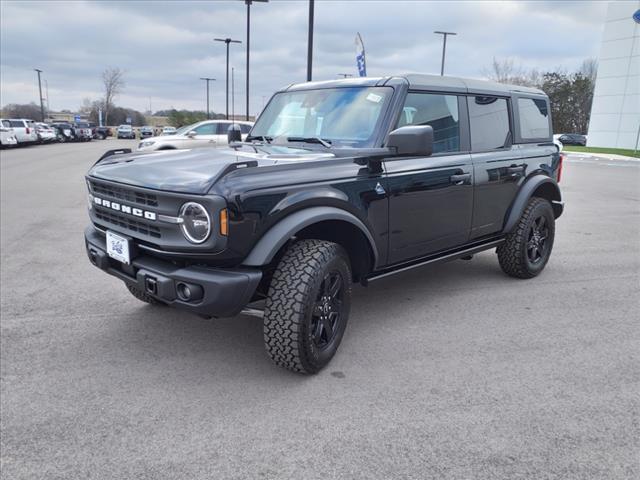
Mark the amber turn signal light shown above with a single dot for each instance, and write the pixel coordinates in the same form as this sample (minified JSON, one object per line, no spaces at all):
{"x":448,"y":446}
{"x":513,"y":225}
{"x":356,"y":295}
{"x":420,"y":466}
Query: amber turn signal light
{"x":224,"y":222}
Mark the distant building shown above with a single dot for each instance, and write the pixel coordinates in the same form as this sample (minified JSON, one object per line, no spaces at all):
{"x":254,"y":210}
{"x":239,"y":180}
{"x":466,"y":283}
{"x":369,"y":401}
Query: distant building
{"x":615,"y":113}
{"x":64,"y":117}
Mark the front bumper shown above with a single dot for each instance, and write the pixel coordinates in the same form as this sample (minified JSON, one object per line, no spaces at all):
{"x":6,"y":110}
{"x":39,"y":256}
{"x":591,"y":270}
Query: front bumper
{"x":214,"y":291}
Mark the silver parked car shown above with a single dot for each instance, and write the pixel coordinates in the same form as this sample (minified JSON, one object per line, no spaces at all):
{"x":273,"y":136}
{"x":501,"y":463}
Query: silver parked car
{"x":210,"y":133}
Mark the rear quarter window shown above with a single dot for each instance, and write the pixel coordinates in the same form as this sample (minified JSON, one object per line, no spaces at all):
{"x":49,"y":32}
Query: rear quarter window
{"x":17,"y":123}
{"x":533,"y":114}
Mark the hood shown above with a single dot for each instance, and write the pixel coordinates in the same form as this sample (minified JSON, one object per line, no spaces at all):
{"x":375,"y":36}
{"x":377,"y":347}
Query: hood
{"x":191,"y":171}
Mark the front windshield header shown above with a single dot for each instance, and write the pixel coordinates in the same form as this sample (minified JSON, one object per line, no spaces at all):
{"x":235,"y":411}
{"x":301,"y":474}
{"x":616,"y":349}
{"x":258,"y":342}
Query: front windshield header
{"x":343,"y":117}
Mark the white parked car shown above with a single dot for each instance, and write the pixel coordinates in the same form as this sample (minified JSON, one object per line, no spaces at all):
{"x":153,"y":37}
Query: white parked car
{"x":125,"y":131}
{"x":45,"y":133}
{"x":169,"y":131}
{"x":24,"y":130}
{"x":210,"y":133}
{"x":7,"y":136}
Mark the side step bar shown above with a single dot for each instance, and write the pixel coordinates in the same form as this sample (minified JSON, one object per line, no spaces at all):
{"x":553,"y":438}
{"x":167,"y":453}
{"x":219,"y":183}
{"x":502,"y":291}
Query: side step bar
{"x":435,"y":259}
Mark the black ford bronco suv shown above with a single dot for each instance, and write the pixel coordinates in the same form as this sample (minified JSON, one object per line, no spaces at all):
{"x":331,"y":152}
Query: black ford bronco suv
{"x":338,"y":182}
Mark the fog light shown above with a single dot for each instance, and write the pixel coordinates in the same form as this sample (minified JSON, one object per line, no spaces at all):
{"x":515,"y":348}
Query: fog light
{"x":188,"y":292}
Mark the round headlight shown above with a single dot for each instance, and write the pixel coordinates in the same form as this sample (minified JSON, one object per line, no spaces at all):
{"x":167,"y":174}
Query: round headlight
{"x":195,"y":222}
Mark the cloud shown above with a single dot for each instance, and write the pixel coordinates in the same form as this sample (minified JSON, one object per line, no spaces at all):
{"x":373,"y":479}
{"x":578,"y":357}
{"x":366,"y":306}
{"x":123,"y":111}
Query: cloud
{"x":165,"y":46}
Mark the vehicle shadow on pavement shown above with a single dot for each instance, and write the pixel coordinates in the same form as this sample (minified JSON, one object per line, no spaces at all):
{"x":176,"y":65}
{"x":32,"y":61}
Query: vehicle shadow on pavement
{"x":232,"y":347}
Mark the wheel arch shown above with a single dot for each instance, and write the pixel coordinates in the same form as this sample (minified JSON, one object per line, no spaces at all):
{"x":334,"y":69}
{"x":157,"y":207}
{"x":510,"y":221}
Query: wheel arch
{"x":321,"y":223}
{"x":537,"y":186}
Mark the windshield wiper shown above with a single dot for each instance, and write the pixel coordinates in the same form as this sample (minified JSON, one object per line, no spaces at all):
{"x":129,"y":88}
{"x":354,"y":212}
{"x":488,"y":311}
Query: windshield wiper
{"x":262,"y":138}
{"x":321,"y":141}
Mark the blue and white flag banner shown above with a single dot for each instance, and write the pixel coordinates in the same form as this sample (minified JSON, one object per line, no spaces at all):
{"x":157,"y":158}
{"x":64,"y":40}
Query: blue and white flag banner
{"x":360,"y":58}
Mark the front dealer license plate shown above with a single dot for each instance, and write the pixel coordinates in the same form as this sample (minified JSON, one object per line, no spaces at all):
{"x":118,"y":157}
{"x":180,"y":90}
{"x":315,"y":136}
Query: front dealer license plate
{"x":118,"y":247}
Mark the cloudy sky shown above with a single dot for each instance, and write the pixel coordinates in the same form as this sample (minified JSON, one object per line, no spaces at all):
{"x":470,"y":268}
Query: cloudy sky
{"x":165,"y":46}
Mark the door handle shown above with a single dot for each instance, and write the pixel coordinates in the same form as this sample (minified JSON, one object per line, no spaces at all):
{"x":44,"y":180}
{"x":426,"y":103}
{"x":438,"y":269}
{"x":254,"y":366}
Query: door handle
{"x":460,"y":179}
{"x":515,"y":169}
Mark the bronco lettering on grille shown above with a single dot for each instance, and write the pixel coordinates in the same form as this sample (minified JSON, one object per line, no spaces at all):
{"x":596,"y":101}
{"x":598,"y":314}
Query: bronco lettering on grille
{"x":118,"y":207}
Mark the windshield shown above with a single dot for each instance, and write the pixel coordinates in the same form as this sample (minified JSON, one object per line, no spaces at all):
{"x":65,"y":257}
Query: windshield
{"x":346,"y":117}
{"x":185,"y":129}
{"x":124,"y":127}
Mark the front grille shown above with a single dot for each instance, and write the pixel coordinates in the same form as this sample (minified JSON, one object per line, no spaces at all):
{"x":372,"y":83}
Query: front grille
{"x":124,"y":194}
{"x":126,"y":222}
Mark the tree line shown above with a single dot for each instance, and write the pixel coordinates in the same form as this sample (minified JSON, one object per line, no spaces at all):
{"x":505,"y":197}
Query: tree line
{"x":570,"y":94}
{"x":113,"y":83}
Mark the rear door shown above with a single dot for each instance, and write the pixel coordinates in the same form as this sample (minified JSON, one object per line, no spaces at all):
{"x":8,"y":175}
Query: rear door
{"x":222,"y":130}
{"x":431,"y":198}
{"x":497,"y":164}
{"x":20,"y":130}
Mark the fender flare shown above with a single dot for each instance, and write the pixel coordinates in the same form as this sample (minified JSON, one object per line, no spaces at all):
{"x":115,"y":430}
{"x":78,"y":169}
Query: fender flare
{"x":263,"y":252}
{"x":523,"y":196}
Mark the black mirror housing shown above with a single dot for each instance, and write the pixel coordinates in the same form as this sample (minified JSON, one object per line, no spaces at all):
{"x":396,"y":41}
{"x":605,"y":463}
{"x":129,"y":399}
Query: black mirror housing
{"x":412,"y":140}
{"x":234,"y":134}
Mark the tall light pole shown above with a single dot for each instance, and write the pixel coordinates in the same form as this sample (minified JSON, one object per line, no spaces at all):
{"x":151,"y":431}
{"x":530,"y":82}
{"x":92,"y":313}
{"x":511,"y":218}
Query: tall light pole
{"x":248,"y":4}
{"x":227,"y":41}
{"x":444,"y":47}
{"x":207,"y":79}
{"x":310,"y":42}
{"x":40,"y":90}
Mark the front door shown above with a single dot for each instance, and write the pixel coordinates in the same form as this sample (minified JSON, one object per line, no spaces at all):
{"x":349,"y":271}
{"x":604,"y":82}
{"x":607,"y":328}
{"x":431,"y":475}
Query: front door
{"x":206,"y":136}
{"x":430,"y":198}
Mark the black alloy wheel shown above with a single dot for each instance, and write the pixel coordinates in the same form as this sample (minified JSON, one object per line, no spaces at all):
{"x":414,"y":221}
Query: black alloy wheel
{"x":537,"y":241}
{"x":327,"y":311}
{"x":527,"y":248}
{"x":307,"y":306}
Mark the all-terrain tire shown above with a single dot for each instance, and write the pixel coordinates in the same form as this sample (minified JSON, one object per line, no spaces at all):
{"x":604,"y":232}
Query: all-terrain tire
{"x":142,"y":296}
{"x":296,"y":302}
{"x":514,"y":254}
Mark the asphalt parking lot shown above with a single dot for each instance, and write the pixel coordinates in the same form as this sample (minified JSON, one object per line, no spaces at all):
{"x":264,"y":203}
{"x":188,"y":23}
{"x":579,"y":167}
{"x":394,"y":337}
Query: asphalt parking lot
{"x":452,"y":371}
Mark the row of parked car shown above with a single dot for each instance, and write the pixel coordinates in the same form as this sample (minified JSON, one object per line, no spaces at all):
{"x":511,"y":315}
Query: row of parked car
{"x":22,"y":131}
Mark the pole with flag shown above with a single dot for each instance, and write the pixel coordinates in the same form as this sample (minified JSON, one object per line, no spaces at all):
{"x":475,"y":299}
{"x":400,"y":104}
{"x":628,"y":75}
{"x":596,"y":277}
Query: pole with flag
{"x":361,"y":61}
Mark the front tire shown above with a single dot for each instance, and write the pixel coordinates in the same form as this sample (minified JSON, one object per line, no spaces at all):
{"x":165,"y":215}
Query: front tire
{"x":527,"y":249}
{"x":307,"y":306}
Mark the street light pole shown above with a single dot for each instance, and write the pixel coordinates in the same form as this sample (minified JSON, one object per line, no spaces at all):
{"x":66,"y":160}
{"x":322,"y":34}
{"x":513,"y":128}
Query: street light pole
{"x":207,"y":79}
{"x":40,"y":90}
{"x":248,"y":3}
{"x":310,"y":42}
{"x":227,"y":41}
{"x":444,"y":47}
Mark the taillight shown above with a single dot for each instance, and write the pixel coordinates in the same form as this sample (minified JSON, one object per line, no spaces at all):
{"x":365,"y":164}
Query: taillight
{"x":560,"y":162}
{"x":28,"y":130}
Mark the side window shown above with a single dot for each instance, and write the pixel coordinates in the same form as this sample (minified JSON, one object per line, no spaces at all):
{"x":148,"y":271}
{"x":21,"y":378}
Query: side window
{"x":16,"y":123}
{"x":206,"y":129}
{"x":489,"y":122}
{"x":534,"y":118}
{"x":6,"y":123}
{"x":438,"y":111}
{"x":223,"y":128}
{"x":245,"y":128}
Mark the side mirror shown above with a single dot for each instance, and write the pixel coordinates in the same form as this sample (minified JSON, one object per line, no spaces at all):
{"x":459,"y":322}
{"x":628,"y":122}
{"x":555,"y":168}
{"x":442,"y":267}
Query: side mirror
{"x":412,"y":140}
{"x":192,"y":133}
{"x":233,"y":133}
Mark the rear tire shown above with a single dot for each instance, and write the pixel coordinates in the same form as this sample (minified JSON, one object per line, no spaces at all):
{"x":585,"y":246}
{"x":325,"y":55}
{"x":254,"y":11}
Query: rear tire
{"x":307,"y":306}
{"x":142,"y":296}
{"x":527,"y":248}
